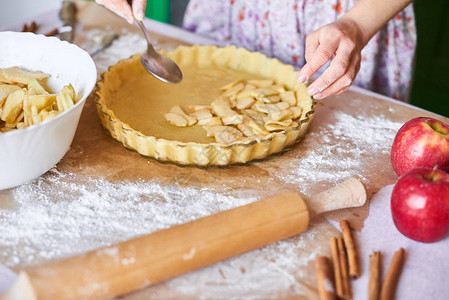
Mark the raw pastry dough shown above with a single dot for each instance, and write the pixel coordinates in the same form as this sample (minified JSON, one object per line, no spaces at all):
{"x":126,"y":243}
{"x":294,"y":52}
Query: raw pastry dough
{"x":131,"y":105}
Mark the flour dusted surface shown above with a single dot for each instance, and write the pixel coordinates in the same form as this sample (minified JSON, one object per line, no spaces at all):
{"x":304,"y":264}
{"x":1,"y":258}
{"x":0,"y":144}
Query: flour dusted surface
{"x":345,"y":147}
{"x":68,"y":212}
{"x":63,"y":214}
{"x":56,"y":216}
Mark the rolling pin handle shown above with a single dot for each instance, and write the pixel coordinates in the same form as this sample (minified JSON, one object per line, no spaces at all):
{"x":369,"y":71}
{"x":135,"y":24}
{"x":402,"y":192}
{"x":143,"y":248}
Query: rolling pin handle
{"x":350,"y":193}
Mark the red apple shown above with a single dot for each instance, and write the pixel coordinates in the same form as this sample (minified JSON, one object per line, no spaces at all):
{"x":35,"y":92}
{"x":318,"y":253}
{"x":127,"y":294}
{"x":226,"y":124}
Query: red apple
{"x":420,"y":204}
{"x":421,"y":143}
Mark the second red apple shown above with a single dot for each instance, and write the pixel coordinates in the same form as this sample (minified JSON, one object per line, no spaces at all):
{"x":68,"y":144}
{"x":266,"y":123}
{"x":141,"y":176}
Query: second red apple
{"x":420,"y":204}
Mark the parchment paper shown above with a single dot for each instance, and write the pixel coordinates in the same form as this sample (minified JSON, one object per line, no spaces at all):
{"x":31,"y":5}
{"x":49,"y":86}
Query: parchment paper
{"x":423,"y":276}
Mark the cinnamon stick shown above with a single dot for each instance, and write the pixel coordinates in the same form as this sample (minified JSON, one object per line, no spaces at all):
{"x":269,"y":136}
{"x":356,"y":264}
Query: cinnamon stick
{"x":324,"y":277}
{"x":391,"y":279}
{"x":344,"y":270}
{"x":353,"y":261}
{"x":374,"y":276}
{"x":337,"y":268}
{"x":32,"y":27}
{"x":53,"y":32}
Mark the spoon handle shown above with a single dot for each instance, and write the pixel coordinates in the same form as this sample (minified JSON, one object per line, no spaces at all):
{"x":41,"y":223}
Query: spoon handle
{"x":147,"y":35}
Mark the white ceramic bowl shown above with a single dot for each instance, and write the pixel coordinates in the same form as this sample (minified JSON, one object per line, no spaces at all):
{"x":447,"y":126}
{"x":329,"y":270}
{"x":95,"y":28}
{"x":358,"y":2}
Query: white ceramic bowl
{"x":27,"y":153}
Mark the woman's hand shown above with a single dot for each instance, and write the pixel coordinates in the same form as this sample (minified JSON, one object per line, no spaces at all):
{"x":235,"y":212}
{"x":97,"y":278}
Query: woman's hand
{"x":130,"y":12}
{"x":342,"y":42}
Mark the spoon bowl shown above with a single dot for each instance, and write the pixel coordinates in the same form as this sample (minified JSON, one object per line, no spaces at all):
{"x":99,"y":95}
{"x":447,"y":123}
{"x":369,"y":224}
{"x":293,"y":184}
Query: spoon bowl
{"x":158,"y":65}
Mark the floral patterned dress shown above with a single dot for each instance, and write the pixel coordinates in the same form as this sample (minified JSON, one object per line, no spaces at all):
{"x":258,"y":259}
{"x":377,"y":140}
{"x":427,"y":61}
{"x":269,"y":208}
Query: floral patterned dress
{"x":279,"y":28}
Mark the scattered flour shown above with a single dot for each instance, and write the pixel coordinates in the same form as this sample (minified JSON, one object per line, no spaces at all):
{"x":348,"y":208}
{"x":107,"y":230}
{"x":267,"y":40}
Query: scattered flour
{"x":124,"y":47}
{"x":68,"y":217}
{"x":104,"y":212}
{"x":272,"y":269}
{"x":346,"y":147}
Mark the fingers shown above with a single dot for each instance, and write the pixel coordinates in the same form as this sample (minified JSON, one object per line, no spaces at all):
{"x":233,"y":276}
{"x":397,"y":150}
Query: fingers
{"x":341,"y":84}
{"x":120,"y":7}
{"x":139,"y":9}
{"x":342,"y":39}
{"x":337,"y":87}
{"x":312,"y":44}
{"x":345,"y":58}
{"x":321,"y":51}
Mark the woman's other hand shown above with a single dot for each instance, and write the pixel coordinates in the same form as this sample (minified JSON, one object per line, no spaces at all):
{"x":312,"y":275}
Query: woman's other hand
{"x":135,"y":10}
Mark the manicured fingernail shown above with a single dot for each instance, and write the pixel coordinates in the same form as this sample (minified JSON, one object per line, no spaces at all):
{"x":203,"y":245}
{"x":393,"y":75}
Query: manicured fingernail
{"x":313,"y":91}
{"x":302,"y":78}
{"x":318,"y":96}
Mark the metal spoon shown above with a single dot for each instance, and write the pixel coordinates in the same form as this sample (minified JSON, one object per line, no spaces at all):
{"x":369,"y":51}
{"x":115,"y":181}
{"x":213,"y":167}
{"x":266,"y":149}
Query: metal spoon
{"x":158,"y":65}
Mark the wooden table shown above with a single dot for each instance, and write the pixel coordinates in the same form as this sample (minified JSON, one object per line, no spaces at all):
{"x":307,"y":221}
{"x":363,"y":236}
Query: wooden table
{"x":351,"y":135}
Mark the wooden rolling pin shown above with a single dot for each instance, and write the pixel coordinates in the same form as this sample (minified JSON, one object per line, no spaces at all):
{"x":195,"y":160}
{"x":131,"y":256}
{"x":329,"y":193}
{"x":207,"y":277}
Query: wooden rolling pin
{"x":119,"y":269}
